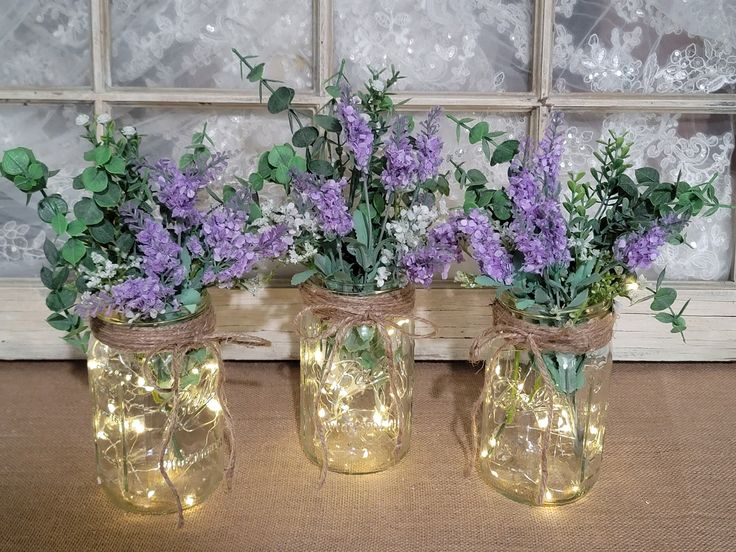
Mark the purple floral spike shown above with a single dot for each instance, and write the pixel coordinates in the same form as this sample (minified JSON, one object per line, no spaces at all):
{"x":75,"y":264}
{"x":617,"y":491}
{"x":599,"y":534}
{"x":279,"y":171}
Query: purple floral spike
{"x":549,"y":154}
{"x":327,"y":201}
{"x":402,"y":165}
{"x":485,"y":244}
{"x":356,"y":126}
{"x":429,"y":146}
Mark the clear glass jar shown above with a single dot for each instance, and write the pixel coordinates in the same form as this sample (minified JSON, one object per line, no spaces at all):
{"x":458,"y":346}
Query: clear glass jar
{"x":130,"y":415}
{"x":515,"y":417}
{"x":366,"y":426}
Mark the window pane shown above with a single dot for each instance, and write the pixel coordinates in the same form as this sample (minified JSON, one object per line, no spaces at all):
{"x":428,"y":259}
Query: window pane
{"x":483,"y":45}
{"x":172,"y":43}
{"x":471,"y":155}
{"x":245,"y":134}
{"x":45,"y":43}
{"x":699,"y":145}
{"x":645,"y":46}
{"x":50,"y":132}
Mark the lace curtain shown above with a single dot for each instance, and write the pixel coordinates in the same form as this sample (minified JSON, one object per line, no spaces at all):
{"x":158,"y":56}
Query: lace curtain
{"x":442,"y":46}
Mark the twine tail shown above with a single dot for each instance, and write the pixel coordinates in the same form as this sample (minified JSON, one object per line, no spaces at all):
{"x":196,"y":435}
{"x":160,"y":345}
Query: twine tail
{"x":229,"y":433}
{"x":170,"y":427}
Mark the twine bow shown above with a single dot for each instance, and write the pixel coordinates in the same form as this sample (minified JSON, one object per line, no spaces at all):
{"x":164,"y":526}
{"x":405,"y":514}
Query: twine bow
{"x":578,"y":339}
{"x":179,"y":338}
{"x":338,"y":314}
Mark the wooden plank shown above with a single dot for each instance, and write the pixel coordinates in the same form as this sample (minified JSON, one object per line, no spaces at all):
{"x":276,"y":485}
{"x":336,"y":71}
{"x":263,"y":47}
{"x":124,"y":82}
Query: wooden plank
{"x":459,"y":315}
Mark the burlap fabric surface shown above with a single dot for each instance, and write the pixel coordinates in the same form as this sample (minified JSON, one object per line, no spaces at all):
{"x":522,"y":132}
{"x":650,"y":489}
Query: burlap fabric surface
{"x":668,"y":480}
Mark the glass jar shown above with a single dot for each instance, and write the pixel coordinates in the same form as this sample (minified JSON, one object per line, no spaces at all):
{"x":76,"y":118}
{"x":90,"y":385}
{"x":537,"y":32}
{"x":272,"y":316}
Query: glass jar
{"x":132,"y":398}
{"x":516,"y":415}
{"x":347,"y":392}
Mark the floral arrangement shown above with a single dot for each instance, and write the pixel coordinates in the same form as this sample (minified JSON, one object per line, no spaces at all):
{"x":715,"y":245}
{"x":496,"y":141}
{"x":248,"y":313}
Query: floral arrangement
{"x":140,"y":244}
{"x":362,"y":184}
{"x":561,"y":253}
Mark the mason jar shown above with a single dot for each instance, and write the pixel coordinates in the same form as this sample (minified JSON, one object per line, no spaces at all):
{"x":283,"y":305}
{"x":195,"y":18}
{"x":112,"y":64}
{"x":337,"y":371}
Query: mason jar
{"x":542,"y":444}
{"x":132,"y":398}
{"x":355,"y":405}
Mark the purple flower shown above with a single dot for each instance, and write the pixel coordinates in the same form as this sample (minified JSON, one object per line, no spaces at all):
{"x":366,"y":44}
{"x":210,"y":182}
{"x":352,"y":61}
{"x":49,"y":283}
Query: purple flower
{"x":236,"y":251}
{"x":429,"y":146}
{"x":441,"y":251}
{"x":326,"y":200}
{"x":485,"y":245}
{"x":638,"y":250}
{"x":402,"y":165}
{"x":356,"y":126}
{"x":144,"y":296}
{"x":194,"y":246}
{"x":177,"y":189}
{"x":549,"y":154}
{"x":540,"y":234}
{"x":160,"y":252}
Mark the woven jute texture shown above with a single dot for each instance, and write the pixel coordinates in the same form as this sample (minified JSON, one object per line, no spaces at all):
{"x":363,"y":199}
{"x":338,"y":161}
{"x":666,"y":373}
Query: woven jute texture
{"x":668,"y":481}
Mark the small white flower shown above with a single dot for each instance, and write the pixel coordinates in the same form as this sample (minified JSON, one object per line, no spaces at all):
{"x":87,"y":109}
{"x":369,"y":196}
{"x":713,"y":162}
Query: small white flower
{"x":128,"y":131}
{"x":382,"y":274}
{"x":82,"y":119}
{"x":377,"y":84}
{"x":104,"y":118}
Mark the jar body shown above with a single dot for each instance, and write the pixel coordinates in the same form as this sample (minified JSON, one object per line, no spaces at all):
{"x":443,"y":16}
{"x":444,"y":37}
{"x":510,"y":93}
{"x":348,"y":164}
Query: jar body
{"x":132,"y":401}
{"x":349,"y":394}
{"x":516,"y":415}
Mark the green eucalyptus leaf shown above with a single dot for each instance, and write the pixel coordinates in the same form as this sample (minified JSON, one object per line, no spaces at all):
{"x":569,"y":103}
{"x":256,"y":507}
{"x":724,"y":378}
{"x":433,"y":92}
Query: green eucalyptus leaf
{"x":627,"y":186}
{"x":478,"y":131}
{"x":59,"y":322}
{"x":16,"y":161}
{"x":125,"y":243}
{"x":102,"y":154}
{"x":665,"y":317}
{"x":59,"y":224}
{"x":50,"y":206}
{"x":646,"y":176}
{"x":485,"y":281}
{"x":476,"y":177}
{"x":35,"y":171}
{"x":305,"y":136}
{"x":333,"y":90}
{"x":321,"y":167}
{"x":281,"y":156}
{"x":110,"y":197}
{"x":524,"y":304}
{"x":116,"y":165}
{"x":328,"y":122}
{"x":663,"y":299}
{"x":87,"y":211}
{"x":280,"y":100}
{"x":103,"y":232}
{"x":76,"y":228}
{"x":256,"y":73}
{"x":50,"y":252}
{"x":94,"y":180}
{"x":61,"y":299}
{"x":73,"y":251}
{"x":504,"y":152}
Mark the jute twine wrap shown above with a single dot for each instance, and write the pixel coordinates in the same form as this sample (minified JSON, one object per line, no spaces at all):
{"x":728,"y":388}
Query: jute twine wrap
{"x":578,"y":339}
{"x":339,"y":313}
{"x":178,"y":338}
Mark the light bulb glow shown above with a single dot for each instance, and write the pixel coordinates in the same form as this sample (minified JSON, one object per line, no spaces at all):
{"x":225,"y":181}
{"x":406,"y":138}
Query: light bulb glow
{"x":189,"y":500}
{"x":214,"y":405}
{"x":138,"y":426}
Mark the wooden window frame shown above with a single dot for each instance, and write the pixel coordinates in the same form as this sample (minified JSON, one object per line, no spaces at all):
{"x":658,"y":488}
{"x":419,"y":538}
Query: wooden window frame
{"x":459,"y":314}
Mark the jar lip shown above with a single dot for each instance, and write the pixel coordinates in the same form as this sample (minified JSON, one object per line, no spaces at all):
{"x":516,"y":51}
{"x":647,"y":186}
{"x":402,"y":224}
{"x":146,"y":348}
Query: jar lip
{"x":349,"y":288}
{"x":179,"y":316}
{"x":593,"y":311}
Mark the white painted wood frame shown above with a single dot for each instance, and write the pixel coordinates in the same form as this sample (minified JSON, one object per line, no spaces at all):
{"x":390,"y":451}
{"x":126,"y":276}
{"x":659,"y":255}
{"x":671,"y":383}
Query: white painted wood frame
{"x":459,"y":314}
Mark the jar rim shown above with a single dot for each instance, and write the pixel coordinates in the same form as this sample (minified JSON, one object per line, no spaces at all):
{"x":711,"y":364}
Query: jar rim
{"x":353,"y":289}
{"x":597,"y":310}
{"x":179,"y":316}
